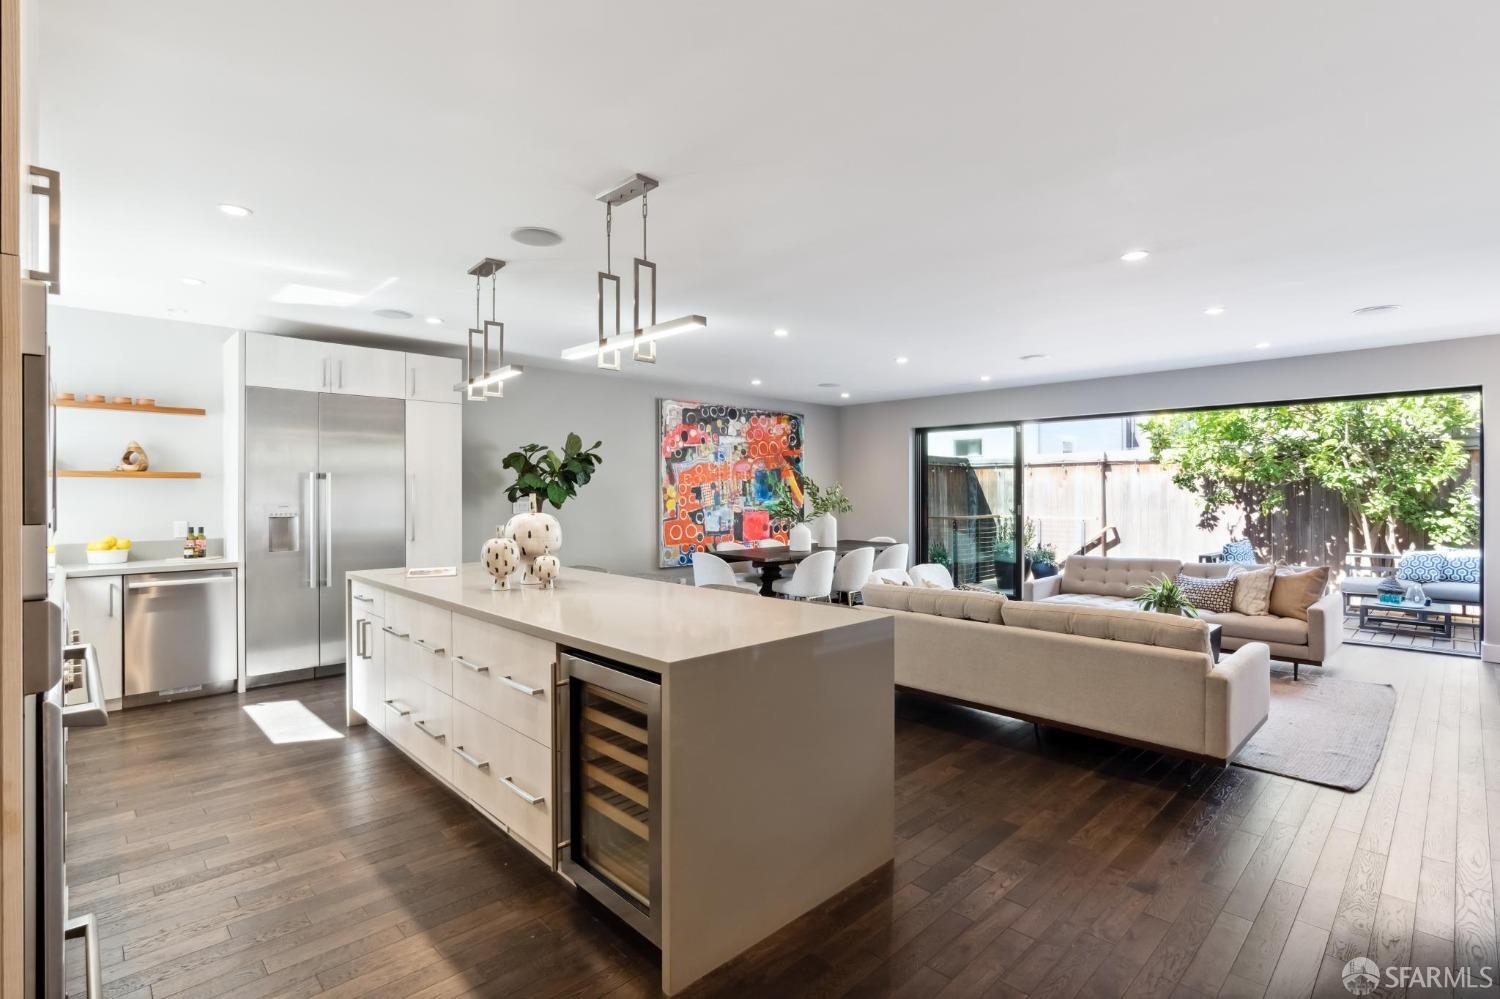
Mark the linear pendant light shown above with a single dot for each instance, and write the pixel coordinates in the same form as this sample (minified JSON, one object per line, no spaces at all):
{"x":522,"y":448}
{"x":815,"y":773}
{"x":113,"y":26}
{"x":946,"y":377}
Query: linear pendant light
{"x":641,"y":339}
{"x":482,"y":382}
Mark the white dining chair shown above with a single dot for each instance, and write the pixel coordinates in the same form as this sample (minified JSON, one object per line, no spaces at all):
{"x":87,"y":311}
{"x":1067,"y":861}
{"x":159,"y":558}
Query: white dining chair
{"x":933,"y":574}
{"x":851,"y":572}
{"x":883,"y":540}
{"x":893,"y":557}
{"x":811,"y":580}
{"x":746,"y":571}
{"x":710,"y":570}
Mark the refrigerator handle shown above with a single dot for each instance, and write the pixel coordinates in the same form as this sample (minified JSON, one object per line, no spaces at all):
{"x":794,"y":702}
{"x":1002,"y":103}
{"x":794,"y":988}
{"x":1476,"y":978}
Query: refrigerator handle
{"x":411,"y":508}
{"x":310,"y":516}
{"x":325,"y":528}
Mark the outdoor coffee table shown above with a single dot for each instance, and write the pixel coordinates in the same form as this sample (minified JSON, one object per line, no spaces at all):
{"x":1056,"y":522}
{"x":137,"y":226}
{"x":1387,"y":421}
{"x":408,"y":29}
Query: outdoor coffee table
{"x":1434,"y":617}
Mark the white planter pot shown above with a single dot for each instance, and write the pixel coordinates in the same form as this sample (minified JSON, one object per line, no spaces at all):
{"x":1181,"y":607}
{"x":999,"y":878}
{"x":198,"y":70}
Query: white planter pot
{"x":826,"y":530}
{"x":799,"y":539}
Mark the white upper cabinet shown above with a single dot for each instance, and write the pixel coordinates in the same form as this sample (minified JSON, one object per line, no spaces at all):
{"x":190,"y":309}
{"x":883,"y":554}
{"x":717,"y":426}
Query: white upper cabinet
{"x":434,"y":484}
{"x":284,"y":363}
{"x":367,"y":371}
{"x":431,"y":379}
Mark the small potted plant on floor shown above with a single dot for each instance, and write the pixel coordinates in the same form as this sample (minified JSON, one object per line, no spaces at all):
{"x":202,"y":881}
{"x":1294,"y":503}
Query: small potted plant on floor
{"x":1165,"y":597}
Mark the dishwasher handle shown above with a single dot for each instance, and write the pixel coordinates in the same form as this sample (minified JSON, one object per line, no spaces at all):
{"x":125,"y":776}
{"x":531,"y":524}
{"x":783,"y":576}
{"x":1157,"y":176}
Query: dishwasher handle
{"x":199,"y":581}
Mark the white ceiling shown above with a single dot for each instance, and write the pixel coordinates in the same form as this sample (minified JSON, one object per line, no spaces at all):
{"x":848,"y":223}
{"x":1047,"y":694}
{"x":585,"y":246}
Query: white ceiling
{"x":953,"y":182}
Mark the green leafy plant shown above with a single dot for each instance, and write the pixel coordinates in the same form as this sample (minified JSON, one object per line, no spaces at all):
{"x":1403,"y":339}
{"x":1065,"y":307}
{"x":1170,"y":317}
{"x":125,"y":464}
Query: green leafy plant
{"x":1042,"y":554}
{"x":1165,"y":597}
{"x":938,"y":552}
{"x":826,"y":499}
{"x":784,"y":505}
{"x":546,"y":476}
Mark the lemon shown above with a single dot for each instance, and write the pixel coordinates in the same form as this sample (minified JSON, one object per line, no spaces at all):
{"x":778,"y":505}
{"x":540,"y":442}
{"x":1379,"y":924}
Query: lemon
{"x":122,"y":544}
{"x":96,"y":546}
{"x":109,"y":542}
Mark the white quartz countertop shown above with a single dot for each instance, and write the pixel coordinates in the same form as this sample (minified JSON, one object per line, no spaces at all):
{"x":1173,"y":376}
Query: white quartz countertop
{"x":77,"y":570}
{"x":643,"y":622}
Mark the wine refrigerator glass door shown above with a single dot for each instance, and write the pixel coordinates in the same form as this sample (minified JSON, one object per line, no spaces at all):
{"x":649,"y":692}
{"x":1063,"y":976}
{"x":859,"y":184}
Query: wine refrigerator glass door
{"x":613,"y":840}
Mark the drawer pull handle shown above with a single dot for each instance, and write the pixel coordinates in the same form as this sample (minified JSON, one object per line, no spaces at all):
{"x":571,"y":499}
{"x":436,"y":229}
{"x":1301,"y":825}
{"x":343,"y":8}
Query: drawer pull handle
{"x":362,"y":598}
{"x":471,"y":759}
{"x":393,"y":632}
{"x":400,"y":708}
{"x":471,"y":667}
{"x":515,"y":684}
{"x":427,"y":647}
{"x":421,"y":723}
{"x":530,"y":799}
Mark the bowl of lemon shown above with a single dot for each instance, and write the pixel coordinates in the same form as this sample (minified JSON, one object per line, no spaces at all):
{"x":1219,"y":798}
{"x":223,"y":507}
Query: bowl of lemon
{"x":108,"y":551}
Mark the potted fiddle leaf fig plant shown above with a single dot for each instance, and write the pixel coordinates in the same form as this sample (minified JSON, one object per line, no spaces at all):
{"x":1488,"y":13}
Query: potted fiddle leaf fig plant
{"x":543,"y":476}
{"x":1165,"y":597}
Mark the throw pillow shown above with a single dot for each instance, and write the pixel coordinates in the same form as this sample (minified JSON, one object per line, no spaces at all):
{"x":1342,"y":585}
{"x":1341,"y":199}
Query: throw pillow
{"x":1462,"y":566}
{"x":1421,"y":567}
{"x":1295,"y":590}
{"x":1237,"y":551}
{"x":1252,"y":590}
{"x":1216,"y":596}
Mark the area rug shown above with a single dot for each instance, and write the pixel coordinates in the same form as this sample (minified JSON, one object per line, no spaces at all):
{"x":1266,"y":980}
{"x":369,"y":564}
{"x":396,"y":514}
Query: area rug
{"x":1324,"y":731}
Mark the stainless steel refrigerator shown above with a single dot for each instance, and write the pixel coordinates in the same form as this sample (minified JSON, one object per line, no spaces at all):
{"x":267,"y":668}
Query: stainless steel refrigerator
{"x":324,"y":493}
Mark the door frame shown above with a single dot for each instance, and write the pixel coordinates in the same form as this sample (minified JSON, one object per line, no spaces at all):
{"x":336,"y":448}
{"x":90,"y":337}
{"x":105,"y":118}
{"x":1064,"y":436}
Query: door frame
{"x":1018,"y":467}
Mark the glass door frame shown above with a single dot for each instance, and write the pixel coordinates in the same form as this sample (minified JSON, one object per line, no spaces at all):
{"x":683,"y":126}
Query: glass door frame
{"x":1018,"y":469}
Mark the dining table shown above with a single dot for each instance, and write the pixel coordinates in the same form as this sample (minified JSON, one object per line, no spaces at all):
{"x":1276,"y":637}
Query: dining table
{"x":770,"y":559}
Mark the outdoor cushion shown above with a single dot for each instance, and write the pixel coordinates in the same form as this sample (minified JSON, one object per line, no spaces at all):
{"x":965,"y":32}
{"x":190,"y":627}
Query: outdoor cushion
{"x":1092,"y":600}
{"x":1166,"y":630}
{"x":963,"y":604}
{"x":1295,"y":590}
{"x":1421,"y":567}
{"x":1115,"y":577}
{"x":1457,"y":593}
{"x":1363,"y":586}
{"x":1208,"y":594}
{"x":1238,"y":551}
{"x":1260,"y":628}
{"x":1252,"y":589}
{"x":1461,"y":566}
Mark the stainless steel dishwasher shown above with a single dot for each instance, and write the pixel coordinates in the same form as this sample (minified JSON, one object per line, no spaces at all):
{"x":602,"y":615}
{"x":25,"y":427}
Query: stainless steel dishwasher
{"x":180,"y":635}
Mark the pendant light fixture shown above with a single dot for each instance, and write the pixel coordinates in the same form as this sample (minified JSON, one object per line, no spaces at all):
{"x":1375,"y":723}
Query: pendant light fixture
{"x":482,"y":382}
{"x":641,"y":339}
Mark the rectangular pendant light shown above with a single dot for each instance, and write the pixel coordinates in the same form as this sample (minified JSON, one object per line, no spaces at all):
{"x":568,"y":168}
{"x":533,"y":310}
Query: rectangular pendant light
{"x":672,"y":327}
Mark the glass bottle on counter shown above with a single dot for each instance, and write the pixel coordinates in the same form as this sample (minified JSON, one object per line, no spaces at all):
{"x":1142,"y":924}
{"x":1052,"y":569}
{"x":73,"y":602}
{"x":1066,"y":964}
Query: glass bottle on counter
{"x":200,"y":544}
{"x":187,"y":544}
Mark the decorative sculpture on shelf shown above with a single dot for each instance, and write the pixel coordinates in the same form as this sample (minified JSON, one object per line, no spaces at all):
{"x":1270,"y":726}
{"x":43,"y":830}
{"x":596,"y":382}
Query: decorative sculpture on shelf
{"x":134,"y":459}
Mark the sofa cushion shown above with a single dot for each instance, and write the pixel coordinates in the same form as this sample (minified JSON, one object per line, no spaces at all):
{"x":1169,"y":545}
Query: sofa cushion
{"x":1207,"y":594}
{"x":1260,"y":627}
{"x":962,"y":604}
{"x":1367,"y":586}
{"x":1296,"y":589}
{"x":1093,"y":600}
{"x":1252,"y":589}
{"x":1139,"y":627}
{"x":1114,"y":577}
{"x":1455,"y":593}
{"x":1462,"y":566}
{"x":1421,"y":567}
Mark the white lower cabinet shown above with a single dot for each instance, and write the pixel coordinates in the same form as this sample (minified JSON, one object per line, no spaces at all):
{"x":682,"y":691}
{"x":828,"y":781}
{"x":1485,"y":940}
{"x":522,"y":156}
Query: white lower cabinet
{"x":431,"y":731}
{"x":504,"y":674}
{"x":96,"y":611}
{"x":504,"y":773}
{"x":366,"y":687}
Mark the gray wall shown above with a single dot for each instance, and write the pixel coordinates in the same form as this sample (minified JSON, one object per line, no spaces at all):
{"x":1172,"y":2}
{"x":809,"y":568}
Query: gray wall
{"x":878,"y":439}
{"x":613,"y":521}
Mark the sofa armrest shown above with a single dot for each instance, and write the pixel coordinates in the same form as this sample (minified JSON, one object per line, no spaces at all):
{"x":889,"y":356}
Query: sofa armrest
{"x":1237,"y":699}
{"x":1041,"y":589}
{"x":1325,"y":626}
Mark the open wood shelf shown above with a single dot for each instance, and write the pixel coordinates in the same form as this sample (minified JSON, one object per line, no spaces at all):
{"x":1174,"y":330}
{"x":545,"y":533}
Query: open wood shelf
{"x":130,"y":407}
{"x":74,"y":473}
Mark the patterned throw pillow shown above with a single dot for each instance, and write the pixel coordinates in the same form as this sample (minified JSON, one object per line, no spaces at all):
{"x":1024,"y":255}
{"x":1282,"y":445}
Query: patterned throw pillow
{"x":1237,"y":551}
{"x":1421,"y":567}
{"x":1216,"y":596}
{"x":1463,"y":566}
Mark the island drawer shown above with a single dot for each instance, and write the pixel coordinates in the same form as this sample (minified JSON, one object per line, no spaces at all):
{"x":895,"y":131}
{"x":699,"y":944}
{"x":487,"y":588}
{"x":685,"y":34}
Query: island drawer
{"x":504,"y":674}
{"x":430,"y":735}
{"x":504,"y":773}
{"x":369,"y":600}
{"x":422,"y":635}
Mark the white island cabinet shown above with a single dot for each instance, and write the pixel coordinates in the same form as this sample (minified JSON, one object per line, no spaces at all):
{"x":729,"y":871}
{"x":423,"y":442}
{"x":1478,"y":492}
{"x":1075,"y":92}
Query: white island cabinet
{"x":739,"y":773}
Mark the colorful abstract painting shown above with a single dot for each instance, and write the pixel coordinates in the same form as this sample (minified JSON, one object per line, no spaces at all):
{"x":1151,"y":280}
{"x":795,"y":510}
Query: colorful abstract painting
{"x":719,"y":465}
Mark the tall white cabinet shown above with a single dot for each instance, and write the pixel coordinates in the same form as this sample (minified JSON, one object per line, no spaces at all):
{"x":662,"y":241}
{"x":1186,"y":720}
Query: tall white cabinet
{"x":434,"y":495}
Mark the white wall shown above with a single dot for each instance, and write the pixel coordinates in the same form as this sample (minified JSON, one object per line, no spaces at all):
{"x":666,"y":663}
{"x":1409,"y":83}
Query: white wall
{"x":878,"y":439}
{"x":613,"y":521}
{"x":175,"y":363}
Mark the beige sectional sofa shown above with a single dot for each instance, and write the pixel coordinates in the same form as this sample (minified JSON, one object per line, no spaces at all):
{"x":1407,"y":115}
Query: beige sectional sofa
{"x":1112,"y":583}
{"x":1145,"y":679}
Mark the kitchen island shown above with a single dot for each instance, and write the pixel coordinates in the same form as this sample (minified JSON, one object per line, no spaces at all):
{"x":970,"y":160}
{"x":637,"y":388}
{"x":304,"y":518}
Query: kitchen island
{"x":721,"y":763}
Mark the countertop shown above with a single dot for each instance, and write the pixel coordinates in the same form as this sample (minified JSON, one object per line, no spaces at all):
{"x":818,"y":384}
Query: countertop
{"x":78,"y":570}
{"x":642,"y":622}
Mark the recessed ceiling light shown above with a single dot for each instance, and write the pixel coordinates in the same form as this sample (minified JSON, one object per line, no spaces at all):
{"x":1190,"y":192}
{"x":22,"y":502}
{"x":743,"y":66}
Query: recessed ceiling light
{"x":984,"y":378}
{"x":1033,"y":357}
{"x":237,"y":211}
{"x":902,"y":360}
{"x":780,"y":334}
{"x":755,"y":381}
{"x":530,"y":235}
{"x":1263,"y":345}
{"x":392,"y":313}
{"x":843,"y":395}
{"x":191,"y":282}
{"x":434,"y":321}
{"x":1370,"y":309}
{"x":1214,"y":310}
{"x":828,"y":384}
{"x":1135,"y":256}
{"x":174,"y":311}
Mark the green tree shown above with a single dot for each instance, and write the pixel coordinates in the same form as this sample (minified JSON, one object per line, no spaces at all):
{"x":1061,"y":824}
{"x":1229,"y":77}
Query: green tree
{"x":1399,"y":464}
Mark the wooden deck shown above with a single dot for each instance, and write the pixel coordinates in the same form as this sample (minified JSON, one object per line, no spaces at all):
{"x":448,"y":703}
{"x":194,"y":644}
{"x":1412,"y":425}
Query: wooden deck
{"x":220,"y":864}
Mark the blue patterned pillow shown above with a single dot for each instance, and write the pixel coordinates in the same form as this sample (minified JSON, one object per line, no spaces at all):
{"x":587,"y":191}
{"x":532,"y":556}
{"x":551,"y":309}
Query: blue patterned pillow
{"x":1421,"y":567}
{"x":1462,"y":567}
{"x":1238,"y":551}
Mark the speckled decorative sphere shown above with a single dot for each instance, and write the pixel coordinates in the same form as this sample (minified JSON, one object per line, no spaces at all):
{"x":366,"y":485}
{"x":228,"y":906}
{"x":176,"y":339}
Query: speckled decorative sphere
{"x":501,"y":558}
{"x":544,"y":570}
{"x":535,"y":533}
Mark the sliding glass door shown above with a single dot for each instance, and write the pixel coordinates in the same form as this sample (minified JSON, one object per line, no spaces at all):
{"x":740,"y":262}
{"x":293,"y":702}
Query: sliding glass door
{"x":969,"y":504}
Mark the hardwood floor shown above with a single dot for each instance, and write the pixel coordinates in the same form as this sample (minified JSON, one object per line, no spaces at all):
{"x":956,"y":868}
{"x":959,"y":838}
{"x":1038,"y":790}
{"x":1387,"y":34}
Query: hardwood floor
{"x":219,"y":864}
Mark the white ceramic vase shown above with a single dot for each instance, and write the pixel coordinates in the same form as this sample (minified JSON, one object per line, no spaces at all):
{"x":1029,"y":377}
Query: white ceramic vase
{"x":501,"y":558}
{"x":799,"y":539}
{"x":535,"y":534}
{"x":828,"y":530}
